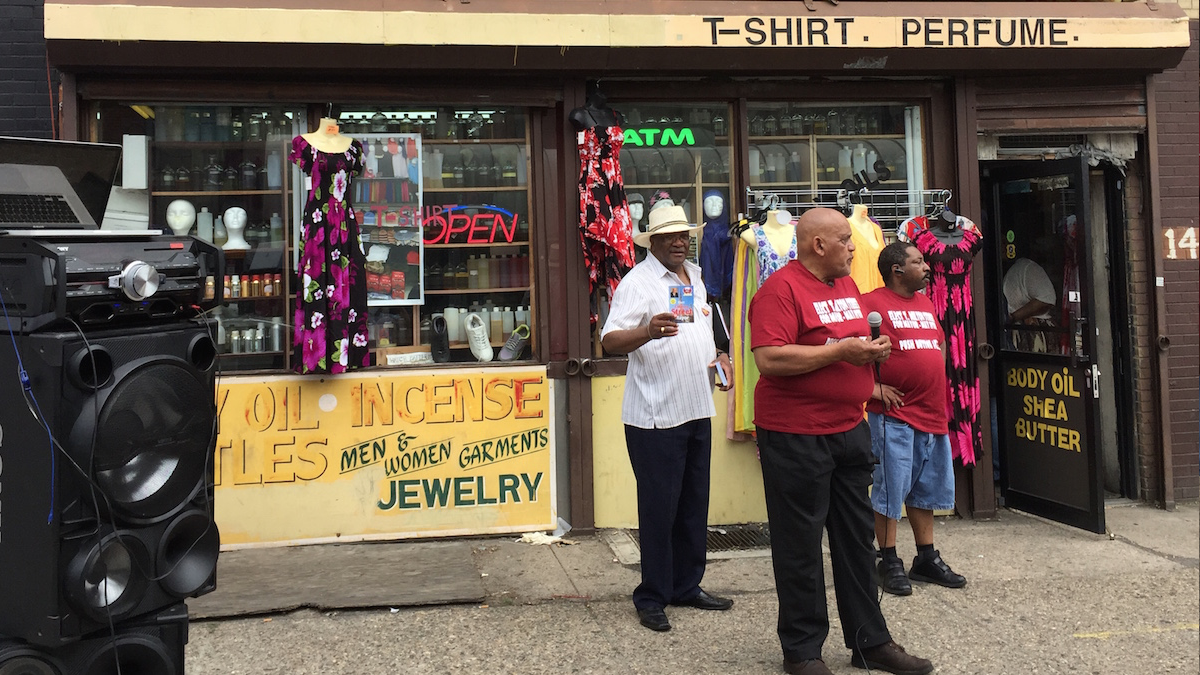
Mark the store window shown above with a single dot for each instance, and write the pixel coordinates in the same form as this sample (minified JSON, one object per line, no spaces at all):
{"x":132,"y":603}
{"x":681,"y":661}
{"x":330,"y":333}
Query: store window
{"x":447,"y":234}
{"x":825,"y":152}
{"x":444,"y":207}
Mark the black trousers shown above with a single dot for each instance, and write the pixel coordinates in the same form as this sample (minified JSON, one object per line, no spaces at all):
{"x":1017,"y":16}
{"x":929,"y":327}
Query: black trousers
{"x":814,"y":483}
{"x":672,"y":469}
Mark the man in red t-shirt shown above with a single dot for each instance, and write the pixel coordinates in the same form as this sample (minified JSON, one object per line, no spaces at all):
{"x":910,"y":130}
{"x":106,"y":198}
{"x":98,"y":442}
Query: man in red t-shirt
{"x":813,"y":349}
{"x":907,"y":413}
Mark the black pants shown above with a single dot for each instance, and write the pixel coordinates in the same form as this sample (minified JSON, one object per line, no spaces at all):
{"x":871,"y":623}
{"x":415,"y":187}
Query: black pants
{"x":672,"y":468}
{"x":811,"y":483}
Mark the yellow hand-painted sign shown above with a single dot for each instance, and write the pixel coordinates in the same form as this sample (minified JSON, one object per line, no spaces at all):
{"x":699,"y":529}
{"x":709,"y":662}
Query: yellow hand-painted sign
{"x":383,"y":456}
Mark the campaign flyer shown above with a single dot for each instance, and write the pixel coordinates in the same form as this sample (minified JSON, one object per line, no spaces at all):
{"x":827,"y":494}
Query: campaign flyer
{"x":682,"y":304}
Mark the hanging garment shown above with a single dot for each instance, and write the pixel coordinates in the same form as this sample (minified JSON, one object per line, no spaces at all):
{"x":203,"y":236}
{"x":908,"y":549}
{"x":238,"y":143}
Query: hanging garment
{"x":716,"y":251}
{"x":868,"y":243}
{"x":950,"y":290}
{"x":770,"y":261}
{"x":745,"y":371}
{"x":605,"y":229}
{"x":330,"y":330}
{"x":1071,"y":293}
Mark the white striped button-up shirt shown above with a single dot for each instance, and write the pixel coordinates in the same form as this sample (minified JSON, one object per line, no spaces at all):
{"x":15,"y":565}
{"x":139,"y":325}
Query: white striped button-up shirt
{"x":668,"y":381}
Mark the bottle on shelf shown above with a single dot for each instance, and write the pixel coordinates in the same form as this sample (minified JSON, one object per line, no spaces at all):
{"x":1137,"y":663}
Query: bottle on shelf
{"x":483,"y":264}
{"x":497,"y":326}
{"x":235,"y":342}
{"x":274,"y":170}
{"x":473,"y":272}
{"x":845,"y":163}
{"x":507,"y":319}
{"x":276,"y":227}
{"x":245,"y":286}
{"x":461,"y":276}
{"x":235,"y":287}
{"x":221,"y":346}
{"x":859,"y":162}
{"x":204,"y":224}
{"x":268,"y":285}
{"x":276,"y":334}
{"x":494,"y":263}
{"x":448,"y":277}
{"x":521,"y":316}
{"x":792,"y":172}
{"x":872,"y":158}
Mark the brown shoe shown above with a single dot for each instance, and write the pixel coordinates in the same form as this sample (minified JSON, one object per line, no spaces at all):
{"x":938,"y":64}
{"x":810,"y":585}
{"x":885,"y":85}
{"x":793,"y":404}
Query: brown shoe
{"x":892,"y":658}
{"x":810,"y":667}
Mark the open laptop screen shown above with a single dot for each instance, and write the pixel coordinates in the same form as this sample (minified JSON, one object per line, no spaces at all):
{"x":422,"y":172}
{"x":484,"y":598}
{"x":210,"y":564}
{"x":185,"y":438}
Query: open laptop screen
{"x":90,"y":168}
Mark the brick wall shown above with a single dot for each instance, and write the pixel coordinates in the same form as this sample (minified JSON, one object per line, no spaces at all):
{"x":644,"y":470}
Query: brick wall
{"x":25,"y":107}
{"x":1178,"y":97}
{"x":1141,"y":285}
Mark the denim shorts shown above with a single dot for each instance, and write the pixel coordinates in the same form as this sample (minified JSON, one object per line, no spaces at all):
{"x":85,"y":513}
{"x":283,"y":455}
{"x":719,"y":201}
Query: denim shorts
{"x":915,"y":468}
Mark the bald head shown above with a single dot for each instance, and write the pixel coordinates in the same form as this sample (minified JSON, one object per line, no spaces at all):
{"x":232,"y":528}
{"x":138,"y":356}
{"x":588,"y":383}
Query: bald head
{"x":823,"y":243}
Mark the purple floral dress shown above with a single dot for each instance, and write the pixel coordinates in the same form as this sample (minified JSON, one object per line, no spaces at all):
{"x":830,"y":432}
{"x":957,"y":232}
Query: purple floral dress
{"x":950,"y":290}
{"x":331,"y":291}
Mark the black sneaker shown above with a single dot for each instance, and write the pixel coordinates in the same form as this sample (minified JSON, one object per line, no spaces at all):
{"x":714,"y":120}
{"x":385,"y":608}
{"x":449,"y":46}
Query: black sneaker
{"x":932,"y":569}
{"x":439,"y":339}
{"x":892,"y":578}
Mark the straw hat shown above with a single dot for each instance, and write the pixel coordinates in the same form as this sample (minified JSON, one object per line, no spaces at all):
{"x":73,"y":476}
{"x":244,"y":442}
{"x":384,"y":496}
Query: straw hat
{"x":666,"y":220}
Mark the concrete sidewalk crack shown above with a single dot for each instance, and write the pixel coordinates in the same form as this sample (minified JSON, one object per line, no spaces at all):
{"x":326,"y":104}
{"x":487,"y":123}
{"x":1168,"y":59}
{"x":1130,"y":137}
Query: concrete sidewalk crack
{"x":1183,"y":561}
{"x":578,"y":595}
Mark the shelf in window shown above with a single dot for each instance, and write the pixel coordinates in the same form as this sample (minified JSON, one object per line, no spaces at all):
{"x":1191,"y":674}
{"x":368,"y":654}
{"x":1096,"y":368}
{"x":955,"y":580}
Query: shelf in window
{"x":217,"y":145}
{"x":504,"y":188}
{"x":240,"y":253}
{"x":785,"y":139}
{"x":494,"y":244}
{"x":899,"y":181}
{"x":467,"y":345}
{"x":237,"y":354}
{"x":214,"y":193}
{"x":658,"y":186}
{"x":783,"y":184}
{"x":254,"y":298}
{"x":468,"y":291}
{"x":822,"y":137}
{"x":470,"y":141}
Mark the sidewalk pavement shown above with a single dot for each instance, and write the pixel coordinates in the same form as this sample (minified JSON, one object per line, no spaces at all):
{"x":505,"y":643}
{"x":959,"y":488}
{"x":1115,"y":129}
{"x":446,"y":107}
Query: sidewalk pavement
{"x":1041,"y":598}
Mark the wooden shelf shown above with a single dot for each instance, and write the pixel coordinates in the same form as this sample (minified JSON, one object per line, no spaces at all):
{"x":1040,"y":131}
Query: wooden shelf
{"x":657,"y":186}
{"x":217,"y":145}
{"x":252,"y":298}
{"x":241,"y":354}
{"x":825,"y":137}
{"x":505,"y":188}
{"x":468,"y":291}
{"x":472,"y":141}
{"x":215,"y":193}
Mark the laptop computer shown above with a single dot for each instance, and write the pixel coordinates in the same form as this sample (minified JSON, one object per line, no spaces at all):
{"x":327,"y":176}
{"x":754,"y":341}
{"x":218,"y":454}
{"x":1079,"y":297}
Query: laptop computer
{"x":55,"y":185}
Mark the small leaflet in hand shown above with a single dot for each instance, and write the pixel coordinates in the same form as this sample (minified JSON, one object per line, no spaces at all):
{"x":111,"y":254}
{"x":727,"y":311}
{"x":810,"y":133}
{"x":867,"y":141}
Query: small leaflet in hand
{"x":681,"y":304}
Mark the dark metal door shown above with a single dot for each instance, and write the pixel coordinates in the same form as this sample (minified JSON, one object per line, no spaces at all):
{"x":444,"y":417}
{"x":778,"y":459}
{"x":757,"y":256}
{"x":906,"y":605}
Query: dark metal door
{"x":1045,"y":376}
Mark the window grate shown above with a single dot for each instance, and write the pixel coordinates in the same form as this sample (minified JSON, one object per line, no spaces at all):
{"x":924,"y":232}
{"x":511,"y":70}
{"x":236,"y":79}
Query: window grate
{"x":1041,"y":141}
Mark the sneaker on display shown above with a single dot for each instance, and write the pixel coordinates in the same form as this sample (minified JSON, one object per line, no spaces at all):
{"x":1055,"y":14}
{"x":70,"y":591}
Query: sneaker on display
{"x":515,"y":345}
{"x":477,"y":337}
{"x":439,"y":339}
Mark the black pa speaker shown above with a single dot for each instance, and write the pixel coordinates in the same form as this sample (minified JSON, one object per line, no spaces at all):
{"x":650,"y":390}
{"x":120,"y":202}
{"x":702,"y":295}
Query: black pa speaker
{"x":114,"y":520}
{"x":151,"y":645}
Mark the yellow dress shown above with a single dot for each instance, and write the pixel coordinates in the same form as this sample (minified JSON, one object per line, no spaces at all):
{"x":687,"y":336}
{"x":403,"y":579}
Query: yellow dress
{"x":868,"y":242}
{"x":745,"y":372}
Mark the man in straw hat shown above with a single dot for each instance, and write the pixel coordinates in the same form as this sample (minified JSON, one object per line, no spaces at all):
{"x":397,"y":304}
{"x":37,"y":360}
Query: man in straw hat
{"x":813,"y":348}
{"x":667,"y":412}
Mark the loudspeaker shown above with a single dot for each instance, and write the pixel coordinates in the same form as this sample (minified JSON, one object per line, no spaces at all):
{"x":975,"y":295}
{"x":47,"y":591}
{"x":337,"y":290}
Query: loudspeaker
{"x":113,"y":518}
{"x":151,"y":645}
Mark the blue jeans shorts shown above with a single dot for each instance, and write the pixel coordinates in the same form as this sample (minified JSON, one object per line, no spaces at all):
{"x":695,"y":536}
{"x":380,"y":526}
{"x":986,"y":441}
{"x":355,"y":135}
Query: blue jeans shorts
{"x":915,"y":468}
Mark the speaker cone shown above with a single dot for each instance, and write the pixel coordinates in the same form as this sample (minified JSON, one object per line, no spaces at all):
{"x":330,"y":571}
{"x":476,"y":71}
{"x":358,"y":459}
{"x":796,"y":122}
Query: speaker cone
{"x":187,"y":553}
{"x":24,"y":661}
{"x":137,"y":655}
{"x":108,"y":578}
{"x":153,"y":438}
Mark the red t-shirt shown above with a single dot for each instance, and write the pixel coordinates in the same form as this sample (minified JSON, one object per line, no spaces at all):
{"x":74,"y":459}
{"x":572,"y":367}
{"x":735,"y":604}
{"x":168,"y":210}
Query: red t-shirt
{"x":794,"y":307}
{"x":916,"y":366}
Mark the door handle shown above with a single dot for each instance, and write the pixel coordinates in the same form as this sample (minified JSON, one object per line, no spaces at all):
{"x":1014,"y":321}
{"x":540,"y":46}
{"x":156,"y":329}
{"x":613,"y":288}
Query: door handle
{"x":985,"y":351}
{"x":587,"y":367}
{"x":572,"y":367}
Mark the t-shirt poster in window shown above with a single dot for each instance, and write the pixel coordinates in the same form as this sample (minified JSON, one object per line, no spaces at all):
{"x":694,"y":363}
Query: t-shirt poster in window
{"x":390,"y":205}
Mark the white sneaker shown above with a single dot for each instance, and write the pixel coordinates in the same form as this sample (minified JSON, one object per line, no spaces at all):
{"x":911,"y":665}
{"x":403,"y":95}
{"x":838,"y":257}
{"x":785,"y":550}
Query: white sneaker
{"x":477,"y":337}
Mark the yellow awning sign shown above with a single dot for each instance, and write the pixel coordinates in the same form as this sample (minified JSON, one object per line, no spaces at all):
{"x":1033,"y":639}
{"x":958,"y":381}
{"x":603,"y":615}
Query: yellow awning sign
{"x":1005,"y":25}
{"x":384,"y":456}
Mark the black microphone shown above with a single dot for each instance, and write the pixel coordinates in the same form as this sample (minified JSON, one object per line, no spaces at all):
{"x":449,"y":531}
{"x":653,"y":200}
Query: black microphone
{"x":875,"y":320}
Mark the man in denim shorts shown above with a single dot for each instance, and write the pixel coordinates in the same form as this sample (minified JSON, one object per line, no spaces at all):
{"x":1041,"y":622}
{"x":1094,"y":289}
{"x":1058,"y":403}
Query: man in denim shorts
{"x":907,"y":413}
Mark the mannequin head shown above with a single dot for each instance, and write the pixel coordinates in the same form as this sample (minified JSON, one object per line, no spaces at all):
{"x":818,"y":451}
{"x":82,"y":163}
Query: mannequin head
{"x":181,"y":215}
{"x":235,"y":226}
{"x":714,"y":205}
{"x":637,"y":208}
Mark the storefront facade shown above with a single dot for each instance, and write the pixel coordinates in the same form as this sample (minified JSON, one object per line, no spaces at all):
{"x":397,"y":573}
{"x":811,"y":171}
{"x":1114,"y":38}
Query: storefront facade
{"x":718,"y":101}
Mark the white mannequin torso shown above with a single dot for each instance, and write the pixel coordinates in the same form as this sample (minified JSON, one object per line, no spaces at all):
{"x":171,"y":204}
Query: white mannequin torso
{"x":327,"y":138}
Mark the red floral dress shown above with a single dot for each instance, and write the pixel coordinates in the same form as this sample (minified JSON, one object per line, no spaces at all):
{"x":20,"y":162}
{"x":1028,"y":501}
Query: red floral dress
{"x":330,"y":330}
{"x":605,"y":229}
{"x":950,"y":290}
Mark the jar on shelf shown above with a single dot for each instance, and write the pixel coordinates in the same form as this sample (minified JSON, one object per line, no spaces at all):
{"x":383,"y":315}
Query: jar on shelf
{"x":254,"y":127}
{"x":208,"y":126}
{"x":237,"y":127}
{"x":248,"y":175}
{"x":166,"y":179}
{"x":213,"y":173}
{"x":379,"y":122}
{"x":183,"y":179}
{"x":191,"y":125}
{"x":229,"y":179}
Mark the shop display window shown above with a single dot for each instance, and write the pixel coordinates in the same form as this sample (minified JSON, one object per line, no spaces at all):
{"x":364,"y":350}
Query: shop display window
{"x":832,"y":146}
{"x":229,"y":163}
{"x":679,"y":151}
{"x":449,"y":238}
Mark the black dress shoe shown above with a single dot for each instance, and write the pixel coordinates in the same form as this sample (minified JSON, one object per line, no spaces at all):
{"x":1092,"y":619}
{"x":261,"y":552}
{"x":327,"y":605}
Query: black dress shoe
{"x":892,"y":578}
{"x":706,"y":601}
{"x":810,"y":667}
{"x":892,"y":658}
{"x":654,"y":618}
{"x":935,"y":571}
